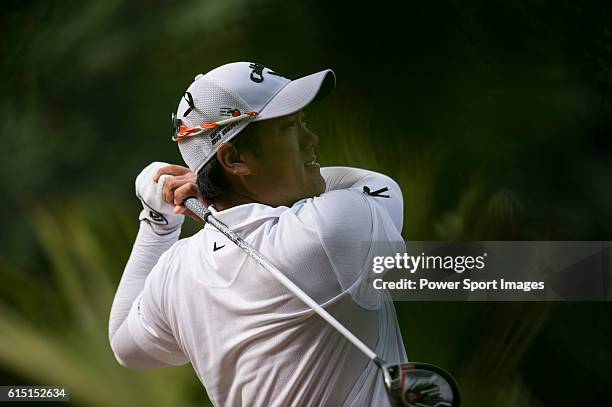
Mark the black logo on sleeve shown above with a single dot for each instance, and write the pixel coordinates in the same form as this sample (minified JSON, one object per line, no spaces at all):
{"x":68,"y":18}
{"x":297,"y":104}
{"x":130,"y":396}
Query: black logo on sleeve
{"x":157,"y":217}
{"x":154,"y":216}
{"x":215,"y":247}
{"x":376,"y":193}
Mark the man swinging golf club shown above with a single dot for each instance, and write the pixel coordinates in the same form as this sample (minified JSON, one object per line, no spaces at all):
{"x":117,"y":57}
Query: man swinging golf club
{"x":207,"y":300}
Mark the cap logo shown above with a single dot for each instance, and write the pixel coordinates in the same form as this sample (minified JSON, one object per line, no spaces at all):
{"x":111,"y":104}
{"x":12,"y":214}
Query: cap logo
{"x":257,"y":73}
{"x":219,"y":132}
{"x":229,"y":112}
{"x":189,"y":99}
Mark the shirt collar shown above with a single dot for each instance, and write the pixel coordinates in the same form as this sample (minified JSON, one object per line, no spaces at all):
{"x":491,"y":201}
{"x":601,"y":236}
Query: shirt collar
{"x":241,"y":216}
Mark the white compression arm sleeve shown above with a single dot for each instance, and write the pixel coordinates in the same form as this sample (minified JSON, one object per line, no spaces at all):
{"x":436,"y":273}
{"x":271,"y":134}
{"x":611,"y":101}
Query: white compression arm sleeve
{"x":148,"y":248}
{"x":349,"y":178}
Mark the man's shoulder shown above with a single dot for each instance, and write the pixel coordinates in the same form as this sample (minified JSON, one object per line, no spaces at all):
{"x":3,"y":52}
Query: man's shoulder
{"x":351,"y":200}
{"x":339,"y":214}
{"x":342,"y":202}
{"x":182,"y":244}
{"x":175,"y":252}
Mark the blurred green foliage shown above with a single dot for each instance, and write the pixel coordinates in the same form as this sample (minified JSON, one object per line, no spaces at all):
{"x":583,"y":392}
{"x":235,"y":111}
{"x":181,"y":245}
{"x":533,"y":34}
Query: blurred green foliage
{"x":54,"y":330}
{"x":494,"y":118}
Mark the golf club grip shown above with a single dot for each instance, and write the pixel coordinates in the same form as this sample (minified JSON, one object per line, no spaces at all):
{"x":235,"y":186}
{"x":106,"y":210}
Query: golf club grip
{"x":197,"y":208}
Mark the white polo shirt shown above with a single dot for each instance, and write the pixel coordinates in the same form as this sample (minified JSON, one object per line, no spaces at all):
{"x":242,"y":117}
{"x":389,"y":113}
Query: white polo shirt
{"x":250,"y":340}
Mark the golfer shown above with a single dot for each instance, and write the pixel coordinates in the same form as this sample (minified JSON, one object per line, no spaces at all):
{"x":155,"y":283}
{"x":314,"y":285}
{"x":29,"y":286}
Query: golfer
{"x":201,"y":300}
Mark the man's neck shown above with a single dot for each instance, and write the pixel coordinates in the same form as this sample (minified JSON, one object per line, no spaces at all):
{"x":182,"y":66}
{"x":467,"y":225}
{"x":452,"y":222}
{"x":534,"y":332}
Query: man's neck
{"x":232,"y":199}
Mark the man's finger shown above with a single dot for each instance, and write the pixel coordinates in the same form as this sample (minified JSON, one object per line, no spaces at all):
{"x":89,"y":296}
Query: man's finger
{"x":171,"y":169}
{"x":180,"y":209}
{"x":168,"y":189}
{"x":184,"y":192}
{"x":181,"y":194}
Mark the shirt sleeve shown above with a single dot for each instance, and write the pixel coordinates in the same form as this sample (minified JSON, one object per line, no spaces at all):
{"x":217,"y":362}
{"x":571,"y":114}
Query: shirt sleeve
{"x":148,"y":323}
{"x":383,"y":189}
{"x":134,"y":308}
{"x":353,"y":227}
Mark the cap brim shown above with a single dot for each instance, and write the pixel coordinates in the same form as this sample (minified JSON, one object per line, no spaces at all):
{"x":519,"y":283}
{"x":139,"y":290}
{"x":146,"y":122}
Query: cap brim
{"x":298,"y":94}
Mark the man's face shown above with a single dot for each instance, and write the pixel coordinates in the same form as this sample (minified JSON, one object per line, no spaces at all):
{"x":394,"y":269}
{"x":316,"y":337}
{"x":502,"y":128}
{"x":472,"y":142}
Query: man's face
{"x":285,"y":169}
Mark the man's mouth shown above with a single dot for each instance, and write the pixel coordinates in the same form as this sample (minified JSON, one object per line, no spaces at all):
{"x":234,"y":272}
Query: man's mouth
{"x":312,"y":163}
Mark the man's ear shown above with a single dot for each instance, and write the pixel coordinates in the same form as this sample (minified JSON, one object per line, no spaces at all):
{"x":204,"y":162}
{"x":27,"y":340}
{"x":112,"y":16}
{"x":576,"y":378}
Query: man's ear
{"x":232,"y":161}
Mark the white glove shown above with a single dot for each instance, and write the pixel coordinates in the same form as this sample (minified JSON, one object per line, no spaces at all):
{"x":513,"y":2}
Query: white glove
{"x":156,"y":211}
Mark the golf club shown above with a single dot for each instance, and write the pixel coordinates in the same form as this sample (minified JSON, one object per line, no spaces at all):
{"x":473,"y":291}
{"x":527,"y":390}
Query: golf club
{"x":408,"y":384}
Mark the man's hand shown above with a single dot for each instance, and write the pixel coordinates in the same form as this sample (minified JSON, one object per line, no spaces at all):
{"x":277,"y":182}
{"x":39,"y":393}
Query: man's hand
{"x":155,"y":211}
{"x":179,"y":183}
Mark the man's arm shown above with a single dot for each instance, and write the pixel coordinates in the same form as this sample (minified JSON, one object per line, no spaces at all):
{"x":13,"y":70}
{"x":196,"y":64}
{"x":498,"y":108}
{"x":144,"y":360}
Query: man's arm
{"x":159,"y":229}
{"x":148,"y":248}
{"x":384,"y":189}
{"x":358,"y":217}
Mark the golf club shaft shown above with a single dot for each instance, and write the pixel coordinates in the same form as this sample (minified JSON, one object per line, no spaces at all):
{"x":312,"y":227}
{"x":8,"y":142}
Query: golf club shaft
{"x":197,"y":208}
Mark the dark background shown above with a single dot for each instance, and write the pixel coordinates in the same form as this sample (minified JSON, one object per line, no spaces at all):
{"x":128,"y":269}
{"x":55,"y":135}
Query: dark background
{"x":494,"y":117}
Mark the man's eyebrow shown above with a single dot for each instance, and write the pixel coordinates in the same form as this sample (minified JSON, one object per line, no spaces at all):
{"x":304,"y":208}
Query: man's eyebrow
{"x":291,"y":118}
{"x":285,"y":121}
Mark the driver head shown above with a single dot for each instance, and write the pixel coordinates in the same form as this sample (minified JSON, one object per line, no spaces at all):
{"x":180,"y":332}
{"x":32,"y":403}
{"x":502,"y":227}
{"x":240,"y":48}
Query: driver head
{"x":420,"y":384}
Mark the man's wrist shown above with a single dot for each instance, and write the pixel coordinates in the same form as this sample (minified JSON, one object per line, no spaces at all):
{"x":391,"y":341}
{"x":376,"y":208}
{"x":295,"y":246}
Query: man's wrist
{"x":170,"y":224}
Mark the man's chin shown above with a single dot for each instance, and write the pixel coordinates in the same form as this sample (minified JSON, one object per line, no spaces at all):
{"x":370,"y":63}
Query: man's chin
{"x":319,"y":187}
{"x":322,"y":187}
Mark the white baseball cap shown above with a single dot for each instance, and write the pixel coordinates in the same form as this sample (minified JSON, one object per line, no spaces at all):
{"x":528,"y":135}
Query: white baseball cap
{"x":219,"y":104}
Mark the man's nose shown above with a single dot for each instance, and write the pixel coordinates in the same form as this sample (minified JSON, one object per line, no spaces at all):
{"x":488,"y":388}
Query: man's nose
{"x":309,"y":139}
